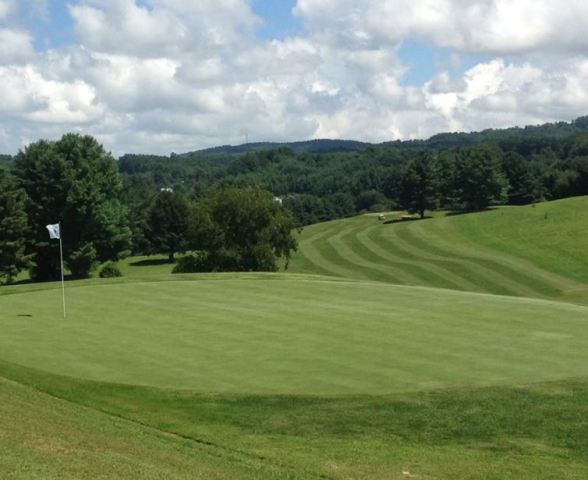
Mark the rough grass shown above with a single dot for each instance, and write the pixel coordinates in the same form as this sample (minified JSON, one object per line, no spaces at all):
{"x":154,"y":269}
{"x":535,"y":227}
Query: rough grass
{"x":533,"y":251}
{"x":46,"y":438}
{"x":282,"y":334}
{"x":519,"y":432}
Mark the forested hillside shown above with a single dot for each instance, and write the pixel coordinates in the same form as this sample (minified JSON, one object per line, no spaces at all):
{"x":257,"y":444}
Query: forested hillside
{"x":218,"y":192}
{"x":5,"y":160}
{"x":322,"y":180}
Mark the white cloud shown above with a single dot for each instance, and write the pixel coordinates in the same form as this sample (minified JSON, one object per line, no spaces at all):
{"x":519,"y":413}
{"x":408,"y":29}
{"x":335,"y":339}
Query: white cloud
{"x":495,"y":26}
{"x":26,"y":95}
{"x":497,"y":94}
{"x":15,"y":46}
{"x":171,"y":75}
{"x":166,"y":27}
{"x":6,"y":7}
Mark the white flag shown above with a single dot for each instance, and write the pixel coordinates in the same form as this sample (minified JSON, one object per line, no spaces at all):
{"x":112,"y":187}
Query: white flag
{"x":54,"y":231}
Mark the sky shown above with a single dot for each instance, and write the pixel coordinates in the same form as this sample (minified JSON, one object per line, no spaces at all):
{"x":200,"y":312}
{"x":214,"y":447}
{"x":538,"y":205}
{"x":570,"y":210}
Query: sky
{"x":162,"y":76}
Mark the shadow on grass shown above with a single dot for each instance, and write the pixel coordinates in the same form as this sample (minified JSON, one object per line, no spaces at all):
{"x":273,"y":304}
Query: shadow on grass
{"x":405,"y":220}
{"x":454,"y":213}
{"x":151,"y":262}
{"x":30,"y":281}
{"x":26,"y":281}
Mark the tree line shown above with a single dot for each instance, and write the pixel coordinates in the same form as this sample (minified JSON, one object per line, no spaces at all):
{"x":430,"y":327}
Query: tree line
{"x":111,"y":209}
{"x":75,"y":182}
{"x":522,"y":165}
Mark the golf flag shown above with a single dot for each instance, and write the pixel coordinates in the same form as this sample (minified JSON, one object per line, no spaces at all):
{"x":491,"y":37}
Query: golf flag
{"x":54,"y":231}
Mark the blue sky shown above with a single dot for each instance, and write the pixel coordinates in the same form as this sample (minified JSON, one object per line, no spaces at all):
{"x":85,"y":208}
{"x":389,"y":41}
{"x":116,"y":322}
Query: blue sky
{"x":57,"y":28}
{"x":54,"y":29}
{"x":278,"y":21}
{"x":178,"y":75}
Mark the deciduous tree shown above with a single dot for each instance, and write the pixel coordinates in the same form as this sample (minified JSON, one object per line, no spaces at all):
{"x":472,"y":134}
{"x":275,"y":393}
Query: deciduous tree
{"x":169,"y":224}
{"x":13,"y":228}
{"x":254,"y":230}
{"x":73,"y":181}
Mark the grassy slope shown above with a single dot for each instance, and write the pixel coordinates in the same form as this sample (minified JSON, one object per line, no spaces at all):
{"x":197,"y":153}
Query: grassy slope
{"x":530,"y":432}
{"x":531,"y":251}
{"x":42,"y":437}
{"x":283,"y":334}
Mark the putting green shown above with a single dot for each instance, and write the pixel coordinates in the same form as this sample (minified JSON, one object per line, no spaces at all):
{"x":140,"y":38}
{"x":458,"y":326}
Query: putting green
{"x":289,"y":334}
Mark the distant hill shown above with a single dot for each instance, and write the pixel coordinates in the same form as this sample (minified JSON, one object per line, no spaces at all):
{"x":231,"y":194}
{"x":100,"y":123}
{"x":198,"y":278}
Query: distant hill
{"x":558,"y":130}
{"x":309,"y":146}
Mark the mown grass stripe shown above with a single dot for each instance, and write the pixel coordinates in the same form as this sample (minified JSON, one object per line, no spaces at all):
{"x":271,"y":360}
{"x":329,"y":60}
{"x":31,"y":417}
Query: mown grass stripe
{"x":484,"y":280}
{"x":516,"y":274}
{"x":314,"y":248}
{"x":506,"y":251}
{"x":367,"y":257}
{"x":327,"y":258}
{"x":343,"y":255}
{"x":454,"y":232}
{"x":395,"y":254}
{"x":501,"y":279}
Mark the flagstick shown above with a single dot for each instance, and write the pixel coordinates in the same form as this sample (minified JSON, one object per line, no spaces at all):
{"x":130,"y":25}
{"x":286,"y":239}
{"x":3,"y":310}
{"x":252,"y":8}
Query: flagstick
{"x":62,"y":279}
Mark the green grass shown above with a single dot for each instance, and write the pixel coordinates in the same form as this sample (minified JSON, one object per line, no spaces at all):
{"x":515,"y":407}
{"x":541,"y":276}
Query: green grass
{"x":282,"y":334}
{"x":134,"y":267}
{"x":44,"y":437}
{"x":532,"y":251}
{"x":451,"y":348}
{"x":525,"y":432}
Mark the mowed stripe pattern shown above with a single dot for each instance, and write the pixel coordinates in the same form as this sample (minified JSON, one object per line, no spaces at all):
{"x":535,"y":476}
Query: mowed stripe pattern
{"x":533,"y":251}
{"x":293,"y":334}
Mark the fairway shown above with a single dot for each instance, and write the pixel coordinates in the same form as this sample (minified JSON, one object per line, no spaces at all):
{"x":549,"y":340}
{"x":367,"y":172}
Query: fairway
{"x":531,"y":251}
{"x":292,"y":334}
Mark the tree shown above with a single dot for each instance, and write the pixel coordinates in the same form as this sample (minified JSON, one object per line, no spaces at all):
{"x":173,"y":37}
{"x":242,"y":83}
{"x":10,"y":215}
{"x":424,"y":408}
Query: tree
{"x":307,"y":209}
{"x":523,"y":186}
{"x":169,"y":224}
{"x":370,"y":200}
{"x":419,"y":189}
{"x":253,"y":230}
{"x":447,"y":191}
{"x":138,"y":193}
{"x":479,"y":179}
{"x":13,"y":228}
{"x":73,"y":181}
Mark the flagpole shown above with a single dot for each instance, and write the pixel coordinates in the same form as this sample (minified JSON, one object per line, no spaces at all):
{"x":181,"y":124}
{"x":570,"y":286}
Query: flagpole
{"x":62,"y":276}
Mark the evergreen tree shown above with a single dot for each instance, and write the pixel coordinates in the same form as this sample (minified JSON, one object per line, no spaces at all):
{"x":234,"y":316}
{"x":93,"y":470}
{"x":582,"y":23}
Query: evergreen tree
{"x":137,"y":195}
{"x":73,"y":181}
{"x":447,"y":192}
{"x":13,"y":228}
{"x":479,"y":179}
{"x":523,"y":187}
{"x":420,"y":185}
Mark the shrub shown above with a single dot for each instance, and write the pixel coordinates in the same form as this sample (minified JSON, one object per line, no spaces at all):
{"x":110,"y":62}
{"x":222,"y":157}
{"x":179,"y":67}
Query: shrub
{"x":82,"y":261}
{"x":110,"y":270}
{"x":193,"y":263}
